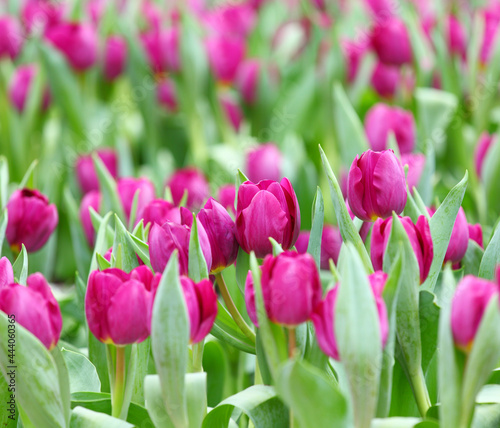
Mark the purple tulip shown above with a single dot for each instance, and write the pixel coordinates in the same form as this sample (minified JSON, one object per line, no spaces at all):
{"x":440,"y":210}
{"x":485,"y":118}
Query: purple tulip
{"x":391,"y":42}
{"x":248,"y":79}
{"x":376,"y":185}
{"x":11,"y":38}
{"x":416,"y":164}
{"x":201,"y":302}
{"x":77,"y":42}
{"x":386,"y":79}
{"x":331,"y":241}
{"x":225,"y":55}
{"x":158,"y":211}
{"x":220,"y":230}
{"x":166,"y":95}
{"x":128,"y":187}
{"x":467,"y":309}
{"x":264,"y":163}
{"x":165,"y":239}
{"x":115,"y":57}
{"x":6,"y":272}
{"x":20,"y":87}
{"x":118,"y":305}
{"x":91,"y":199}
{"x":31,"y":220}
{"x":420,"y":239}
{"x":267,"y":210}
{"x":486,"y":141}
{"x":194,"y":182}
{"x":232,"y":111}
{"x":226,"y":196}
{"x":382,"y":119}
{"x":476,"y":234}
{"x":290,"y":286}
{"x":86,"y":173}
{"x":34,"y":307}
{"x":323,"y":316}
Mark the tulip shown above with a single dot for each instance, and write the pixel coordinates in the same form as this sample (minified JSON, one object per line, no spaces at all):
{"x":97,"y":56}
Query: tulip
{"x":354,"y":52}
{"x":31,"y":220}
{"x":420,"y":240}
{"x":86,"y":173}
{"x":225,"y":55}
{"x":164,"y":239}
{"x":91,"y":199}
{"x":331,"y":241}
{"x":192,"y":181}
{"x":152,"y":45}
{"x":20,"y":87}
{"x":376,"y":185}
{"x":382,"y":119}
{"x":365,"y":227}
{"x":118,"y":305}
{"x":267,"y":210}
{"x":469,"y":303}
{"x":158,"y":211}
{"x":264,"y":163}
{"x":41,"y":15}
{"x":476,"y":234}
{"x":386,"y":79}
{"x":391,"y":42}
{"x":290,"y":286}
{"x":490,"y":33}
{"x":115,"y":57}
{"x":456,"y":37}
{"x":231,"y":20}
{"x":416,"y":164}
{"x":247,"y":80}
{"x":77,"y":42}
{"x":486,"y":141}
{"x":6,"y":272}
{"x":128,"y":187}
{"x":201,"y":302}
{"x":323,"y":316}
{"x":220,"y":230}
{"x":34,"y":307}
{"x":171,"y":49}
{"x":166,"y":95}
{"x":232,"y":112}
{"x":11,"y":38}
{"x":226,"y":196}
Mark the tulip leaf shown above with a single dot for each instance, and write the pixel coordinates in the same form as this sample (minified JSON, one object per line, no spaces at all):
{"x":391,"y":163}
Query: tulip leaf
{"x":154,"y":402}
{"x":27,"y":180}
{"x":308,"y":391}
{"x":198,"y":269}
{"x":142,"y":249}
{"x":64,"y":382}
{"x":347,"y":229}
{"x":103,"y":263}
{"x":141,"y":370}
{"x":8,"y":417}
{"x":122,"y":246}
{"x":4,"y":219}
{"x":318,"y":215}
{"x":473,"y":259}
{"x":357,"y":329}
{"x":242,"y":268}
{"x":170,"y":339}
{"x":20,"y":266}
{"x":196,"y":398}
{"x":486,"y":416}
{"x":83,"y":375}
{"x":102,"y":243}
{"x":4,"y":182}
{"x":491,"y":256}
{"x":85,"y":418}
{"x":133,"y":209}
{"x":441,"y":226}
{"x":277,"y":248}
{"x":36,"y":377}
{"x":398,"y":423}
{"x":259,"y":402}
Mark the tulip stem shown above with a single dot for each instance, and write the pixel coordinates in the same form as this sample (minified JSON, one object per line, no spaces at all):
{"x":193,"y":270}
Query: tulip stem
{"x":421,"y":393}
{"x":118,"y":387}
{"x":231,"y":307}
{"x":292,"y":342}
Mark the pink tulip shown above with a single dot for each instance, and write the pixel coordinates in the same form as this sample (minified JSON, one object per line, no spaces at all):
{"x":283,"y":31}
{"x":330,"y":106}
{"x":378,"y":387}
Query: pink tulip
{"x":20,"y":86}
{"x":247,"y":80}
{"x":416,"y":165}
{"x":476,"y":234}
{"x":128,"y":187}
{"x":391,"y":42}
{"x":331,"y":241}
{"x":264,"y":163}
{"x":490,"y":36}
{"x":91,"y":199}
{"x":115,"y":57}
{"x":192,"y":181}
{"x":6,"y":273}
{"x":231,"y":20}
{"x":386,"y":79}
{"x":232,"y":111}
{"x":11,"y":37}
{"x":167,"y":95}
{"x":226,"y":196}
{"x":486,"y":141}
{"x":86,"y":173}
{"x":225,"y":55}
{"x":158,"y":211}
{"x":41,"y":15}
{"x":354,"y":51}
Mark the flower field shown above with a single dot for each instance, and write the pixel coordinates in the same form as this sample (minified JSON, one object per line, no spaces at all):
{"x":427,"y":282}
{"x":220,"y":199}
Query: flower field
{"x":249,"y":214}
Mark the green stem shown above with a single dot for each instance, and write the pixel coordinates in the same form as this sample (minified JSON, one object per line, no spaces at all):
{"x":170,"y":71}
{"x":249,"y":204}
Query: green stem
{"x":118,"y":387}
{"x":420,"y":392}
{"x":231,"y":307}
{"x":292,"y":342}
{"x":198,"y":357}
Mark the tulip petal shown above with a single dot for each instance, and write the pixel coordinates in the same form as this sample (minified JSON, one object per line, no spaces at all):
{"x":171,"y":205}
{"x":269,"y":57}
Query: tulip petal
{"x":6,"y":272}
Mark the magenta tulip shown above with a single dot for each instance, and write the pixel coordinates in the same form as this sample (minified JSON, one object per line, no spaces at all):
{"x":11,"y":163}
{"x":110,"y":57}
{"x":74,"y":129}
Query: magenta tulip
{"x":491,"y":24}
{"x":20,"y":86}
{"x":456,"y":37}
{"x":376,"y":185}
{"x":118,"y":305}
{"x":86,"y":173}
{"x":420,"y":239}
{"x":91,"y":199}
{"x":6,"y":272}
{"x":127,"y":189}
{"x":467,"y":309}
{"x":166,"y":95}
{"x":192,"y":181}
{"x":41,"y":15}
{"x":31,"y":220}
{"x":267,"y":210}
{"x":158,"y":211}
{"x":164,"y":239}
{"x":354,"y":51}
{"x":476,"y":234}
{"x":391,"y":42}
{"x":247,"y":80}
{"x":232,"y":19}
{"x":34,"y":307}
{"x":226,"y":196}
{"x":232,"y":111}
{"x":115,"y":57}
{"x":264,"y":163}
{"x":381,"y":9}
{"x":486,"y":141}
{"x":416,"y":165}
{"x":386,"y":79}
{"x":331,"y":241}
{"x":225,"y":55}
{"x":11,"y":38}
{"x":201,"y":302}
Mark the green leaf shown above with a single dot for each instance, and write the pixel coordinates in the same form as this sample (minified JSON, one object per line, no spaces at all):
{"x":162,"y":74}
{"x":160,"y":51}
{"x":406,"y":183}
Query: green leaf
{"x":197,"y":264}
{"x":347,"y":229}
{"x":103,"y":263}
{"x":123,"y":241}
{"x":85,"y":418}
{"x":315,"y":400}
{"x":141,"y":370}
{"x":242,"y":268}
{"x":491,"y":176}
{"x":486,"y":416}
{"x":4,"y":218}
{"x":8,"y":417}
{"x":20,"y":266}
{"x":395,"y":423}
{"x":196,"y":398}
{"x":101,"y":243}
{"x":318,"y":215}
{"x":27,"y":180}
{"x":170,"y":339}
{"x":142,"y":249}
{"x":216,"y":364}
{"x":154,"y":402}
{"x":277,"y":248}
{"x":491,"y":257}
{"x":472,"y":259}
{"x":64,"y":382}
{"x":258,"y":402}
{"x":83,"y":375}
{"x":4,"y":181}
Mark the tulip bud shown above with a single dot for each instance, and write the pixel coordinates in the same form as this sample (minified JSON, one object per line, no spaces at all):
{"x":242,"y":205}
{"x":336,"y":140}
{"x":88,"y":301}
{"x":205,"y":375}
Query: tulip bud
{"x":91,"y":199}
{"x":34,"y":307}
{"x":420,"y":240}
{"x":152,"y":45}
{"x":201,"y":302}
{"x":391,"y":42}
{"x":159,"y":211}
{"x":232,"y":111}
{"x":490,"y":34}
{"x":386,"y":79}
{"x":86,"y":173}
{"x":128,"y":187}
{"x":382,"y":119}
{"x":164,"y":239}
{"x":226,"y":196}
{"x":290,"y":286}
{"x":267,"y":210}
{"x":376,"y":185}
{"x":354,"y":52}
{"x":225,"y":55}
{"x":78,"y":43}
{"x":456,"y":37}
{"x":323,"y":316}
{"x":194,"y":182}
{"x":467,"y":309}
{"x":11,"y":38}
{"x":264,"y":163}
{"x":115,"y":57}
{"x":248,"y":79}
{"x":6,"y":272}
{"x":167,"y":95}
{"x":486,"y":141}
{"x":20,"y":87}
{"x":41,"y":15}
{"x":331,"y":241}
{"x":31,"y":220}
{"x":476,"y":234}
{"x":416,"y":164}
{"x":118,"y":305}
{"x":171,"y":48}
{"x":220,"y":230}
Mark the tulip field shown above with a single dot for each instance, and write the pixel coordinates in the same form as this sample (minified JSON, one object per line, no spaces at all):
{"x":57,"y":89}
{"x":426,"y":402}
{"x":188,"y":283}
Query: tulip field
{"x":249,"y":213}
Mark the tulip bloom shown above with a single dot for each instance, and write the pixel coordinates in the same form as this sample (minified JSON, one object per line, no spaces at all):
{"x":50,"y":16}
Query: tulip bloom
{"x":90,"y":200}
{"x":11,"y":38}
{"x":118,"y":305}
{"x":34,"y":307}
{"x":226,"y":196}
{"x":476,"y":234}
{"x":376,"y":185}
{"x":467,"y":309}
{"x":115,"y":57}
{"x":486,"y":141}
{"x":232,"y":111}
{"x":20,"y":87}
{"x":386,"y":79}
{"x":382,"y":119}
{"x":267,"y":210}
{"x":159,"y":211}
{"x":194,"y":182}
{"x":220,"y":230}
{"x":128,"y":187}
{"x":420,"y":239}
{"x":86,"y":173}
{"x":391,"y":42}
{"x":6,"y":272}
{"x":41,"y":15}
{"x":165,"y":239}
{"x":331,"y":241}
{"x":201,"y":302}
{"x":31,"y":220}
{"x":225,"y":55}
{"x":248,"y":79}
{"x":354,"y":51}
{"x":166,"y":95}
{"x":290,"y":286}
{"x":264,"y":163}
{"x":416,"y":165}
